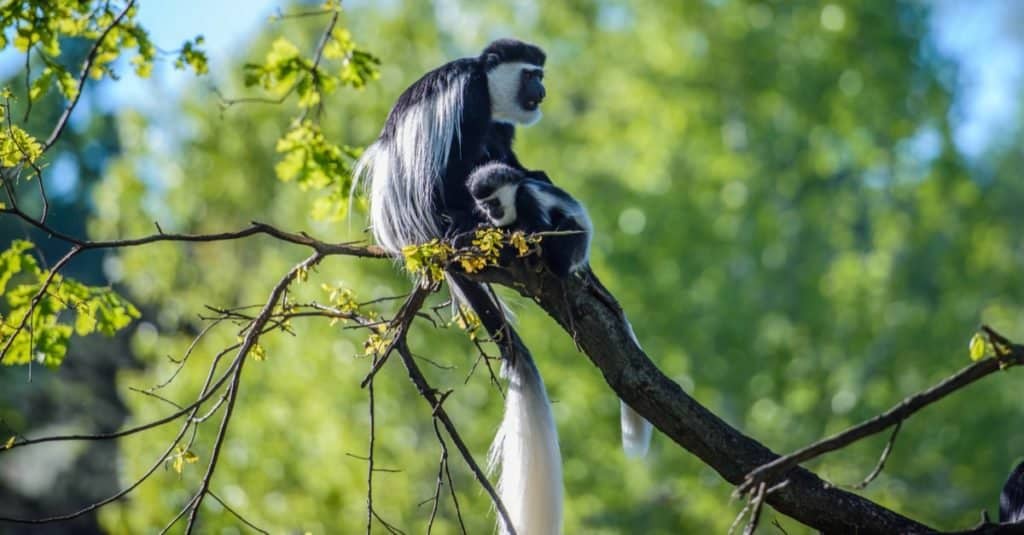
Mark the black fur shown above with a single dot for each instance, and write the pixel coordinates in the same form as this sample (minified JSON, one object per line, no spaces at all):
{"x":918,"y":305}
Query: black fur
{"x":1011,"y":501}
{"x":510,"y":50}
{"x":480,"y":139}
{"x":561,"y":213}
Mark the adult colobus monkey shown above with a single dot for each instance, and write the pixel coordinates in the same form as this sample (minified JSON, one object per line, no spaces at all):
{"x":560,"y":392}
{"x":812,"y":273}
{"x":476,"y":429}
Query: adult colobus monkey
{"x":450,"y":121}
{"x":1011,"y":501}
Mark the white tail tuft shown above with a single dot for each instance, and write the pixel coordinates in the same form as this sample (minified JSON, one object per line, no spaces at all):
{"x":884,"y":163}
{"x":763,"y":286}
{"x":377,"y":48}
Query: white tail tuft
{"x":636,"y":431}
{"x":526,"y":448}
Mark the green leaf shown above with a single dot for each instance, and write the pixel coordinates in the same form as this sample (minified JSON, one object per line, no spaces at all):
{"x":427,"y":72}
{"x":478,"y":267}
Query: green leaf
{"x":44,"y":337}
{"x":978,"y":347}
{"x":41,"y":84}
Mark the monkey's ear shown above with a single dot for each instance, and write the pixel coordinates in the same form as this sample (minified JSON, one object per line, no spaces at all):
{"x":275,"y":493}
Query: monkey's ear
{"x":491,"y":60}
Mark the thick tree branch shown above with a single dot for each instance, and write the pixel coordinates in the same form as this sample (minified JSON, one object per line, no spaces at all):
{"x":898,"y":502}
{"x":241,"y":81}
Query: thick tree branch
{"x":590,"y":314}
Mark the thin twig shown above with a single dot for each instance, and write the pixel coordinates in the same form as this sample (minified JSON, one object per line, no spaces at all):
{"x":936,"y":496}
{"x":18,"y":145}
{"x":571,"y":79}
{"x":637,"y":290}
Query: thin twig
{"x":251,"y":339}
{"x":90,"y":58}
{"x":430,"y":395}
{"x":1012,"y":355}
{"x":755,"y":514}
{"x":881,"y":460}
{"x":237,"y":515}
{"x":369,"y":457}
{"x":399,"y":325}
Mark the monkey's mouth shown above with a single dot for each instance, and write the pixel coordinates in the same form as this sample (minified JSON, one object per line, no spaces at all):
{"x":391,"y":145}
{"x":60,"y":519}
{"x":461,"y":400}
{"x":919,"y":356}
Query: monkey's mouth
{"x":531,"y":105}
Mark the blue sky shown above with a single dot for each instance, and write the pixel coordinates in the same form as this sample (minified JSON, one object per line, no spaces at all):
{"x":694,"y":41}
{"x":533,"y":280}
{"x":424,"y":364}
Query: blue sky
{"x":986,"y":38}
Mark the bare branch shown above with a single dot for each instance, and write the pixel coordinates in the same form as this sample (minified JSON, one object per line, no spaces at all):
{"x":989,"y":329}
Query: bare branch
{"x":251,"y":338}
{"x":430,"y":395}
{"x":881,"y":460}
{"x":241,"y":518}
{"x":1014,"y":356}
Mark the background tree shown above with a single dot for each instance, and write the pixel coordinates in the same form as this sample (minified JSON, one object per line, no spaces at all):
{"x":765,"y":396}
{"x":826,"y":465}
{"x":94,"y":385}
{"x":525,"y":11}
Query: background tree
{"x":778,"y":203}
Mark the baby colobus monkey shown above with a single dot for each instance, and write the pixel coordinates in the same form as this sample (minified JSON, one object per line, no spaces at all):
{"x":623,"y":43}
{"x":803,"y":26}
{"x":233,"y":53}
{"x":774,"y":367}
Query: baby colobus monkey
{"x":1011,"y":500}
{"x":506,"y":197}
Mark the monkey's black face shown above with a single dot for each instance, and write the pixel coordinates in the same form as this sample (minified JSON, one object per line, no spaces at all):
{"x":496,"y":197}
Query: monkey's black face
{"x":531,"y":88}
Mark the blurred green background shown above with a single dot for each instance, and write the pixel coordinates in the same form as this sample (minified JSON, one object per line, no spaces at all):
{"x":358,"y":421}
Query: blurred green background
{"x":805,"y":208}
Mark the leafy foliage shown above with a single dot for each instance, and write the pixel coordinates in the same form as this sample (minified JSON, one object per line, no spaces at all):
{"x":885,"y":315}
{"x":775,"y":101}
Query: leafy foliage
{"x":42,"y":26}
{"x":428,"y":259}
{"x":36,"y":298}
{"x":778,"y":203}
{"x":315,"y":164}
{"x":309,"y":159}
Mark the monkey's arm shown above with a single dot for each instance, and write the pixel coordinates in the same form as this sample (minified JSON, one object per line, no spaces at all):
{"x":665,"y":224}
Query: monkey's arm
{"x":499,"y":148}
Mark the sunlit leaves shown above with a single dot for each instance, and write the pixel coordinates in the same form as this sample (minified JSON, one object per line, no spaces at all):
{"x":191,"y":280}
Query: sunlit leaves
{"x":343,"y":299}
{"x":31,"y":322}
{"x":486,"y":250}
{"x":376,"y":345}
{"x":279,"y":70}
{"x":316,"y":164}
{"x":468,"y":321}
{"x":522,"y":243}
{"x":191,"y":55}
{"x":17,"y":145}
{"x":358,"y":66}
{"x":285,"y":69}
{"x":180,"y":457}
{"x":428,"y":259}
{"x":40,"y":27}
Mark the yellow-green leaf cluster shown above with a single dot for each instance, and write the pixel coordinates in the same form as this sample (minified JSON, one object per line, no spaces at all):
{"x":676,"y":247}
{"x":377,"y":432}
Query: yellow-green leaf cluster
{"x":343,"y":299}
{"x":40,"y":27}
{"x":17,"y":146}
{"x":523,"y":243}
{"x":180,"y":457}
{"x":316,"y":164}
{"x":376,"y":344}
{"x":468,"y":321}
{"x":485,"y":250}
{"x":44,"y":337}
{"x":191,"y":55}
{"x":428,"y":259}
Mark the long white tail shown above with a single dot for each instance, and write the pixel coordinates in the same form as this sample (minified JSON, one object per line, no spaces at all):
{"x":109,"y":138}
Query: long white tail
{"x":526,"y":449}
{"x":636,"y":431}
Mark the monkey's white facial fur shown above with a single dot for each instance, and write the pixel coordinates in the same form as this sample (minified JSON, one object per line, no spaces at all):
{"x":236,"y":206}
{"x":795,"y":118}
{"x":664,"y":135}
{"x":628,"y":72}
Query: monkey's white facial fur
{"x":504,"y":83}
{"x":501,"y":205}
